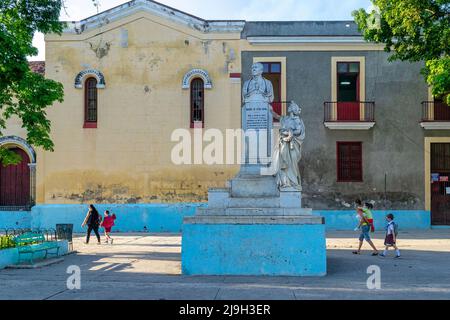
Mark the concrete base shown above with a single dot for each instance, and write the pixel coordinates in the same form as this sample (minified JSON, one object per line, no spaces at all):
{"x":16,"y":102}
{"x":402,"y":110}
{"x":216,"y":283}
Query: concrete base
{"x":254,"y":246}
{"x":10,"y":257}
{"x":37,"y":265}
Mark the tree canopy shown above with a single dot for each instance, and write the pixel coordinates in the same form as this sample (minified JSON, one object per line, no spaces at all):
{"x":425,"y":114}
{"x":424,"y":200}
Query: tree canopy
{"x":413,"y":30}
{"x":23,"y":93}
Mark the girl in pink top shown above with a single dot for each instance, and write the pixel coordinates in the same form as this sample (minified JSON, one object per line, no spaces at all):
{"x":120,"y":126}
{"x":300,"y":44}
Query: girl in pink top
{"x":107,"y":224}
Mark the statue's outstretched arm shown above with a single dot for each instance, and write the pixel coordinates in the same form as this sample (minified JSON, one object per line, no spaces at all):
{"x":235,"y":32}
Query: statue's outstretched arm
{"x":270,"y":91}
{"x":274,"y":114}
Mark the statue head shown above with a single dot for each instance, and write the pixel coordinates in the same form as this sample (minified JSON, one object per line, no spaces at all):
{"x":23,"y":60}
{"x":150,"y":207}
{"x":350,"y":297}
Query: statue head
{"x":257,"y":69}
{"x":294,"y":108}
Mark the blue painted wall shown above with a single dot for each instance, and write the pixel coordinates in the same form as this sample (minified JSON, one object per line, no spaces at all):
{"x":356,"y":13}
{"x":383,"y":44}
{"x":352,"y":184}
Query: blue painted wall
{"x":8,"y":257}
{"x":15,"y":219}
{"x":169,"y":217}
{"x":406,"y":219}
{"x":130,"y":218}
{"x":273,"y":250}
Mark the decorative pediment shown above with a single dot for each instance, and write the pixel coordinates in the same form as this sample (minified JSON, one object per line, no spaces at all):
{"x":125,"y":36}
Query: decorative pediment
{"x":197,"y":73}
{"x":81,"y":77}
{"x":157,"y":9}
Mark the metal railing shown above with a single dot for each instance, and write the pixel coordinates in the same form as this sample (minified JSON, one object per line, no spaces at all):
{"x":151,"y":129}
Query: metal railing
{"x":50,"y":233}
{"x":435,"y":111}
{"x":359,"y":111}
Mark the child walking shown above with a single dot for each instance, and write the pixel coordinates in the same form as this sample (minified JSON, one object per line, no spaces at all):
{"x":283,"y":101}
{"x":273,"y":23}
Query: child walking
{"x":107,"y":224}
{"x":391,"y":236}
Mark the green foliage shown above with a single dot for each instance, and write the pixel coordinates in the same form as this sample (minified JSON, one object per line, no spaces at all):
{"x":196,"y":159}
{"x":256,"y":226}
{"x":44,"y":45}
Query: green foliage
{"x":7,"y":242}
{"x":413,"y":30}
{"x":24,"y":94}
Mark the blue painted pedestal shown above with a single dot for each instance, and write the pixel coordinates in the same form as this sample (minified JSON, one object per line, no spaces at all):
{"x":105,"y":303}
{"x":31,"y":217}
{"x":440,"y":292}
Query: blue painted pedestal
{"x":254,"y":246}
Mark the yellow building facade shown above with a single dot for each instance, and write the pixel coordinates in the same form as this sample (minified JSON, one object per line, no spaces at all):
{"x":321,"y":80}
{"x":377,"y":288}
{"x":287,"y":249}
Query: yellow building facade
{"x":147,"y":58}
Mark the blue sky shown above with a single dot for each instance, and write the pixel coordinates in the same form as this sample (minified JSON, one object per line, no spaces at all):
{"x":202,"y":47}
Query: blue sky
{"x":249,"y":10}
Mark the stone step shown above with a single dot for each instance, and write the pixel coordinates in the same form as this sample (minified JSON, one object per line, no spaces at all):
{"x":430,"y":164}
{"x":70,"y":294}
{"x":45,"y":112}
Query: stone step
{"x":254,"y":212}
{"x":254,"y":220}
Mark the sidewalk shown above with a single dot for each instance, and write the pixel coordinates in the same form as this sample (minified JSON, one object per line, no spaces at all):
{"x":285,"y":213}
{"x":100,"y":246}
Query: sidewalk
{"x":147,"y":266}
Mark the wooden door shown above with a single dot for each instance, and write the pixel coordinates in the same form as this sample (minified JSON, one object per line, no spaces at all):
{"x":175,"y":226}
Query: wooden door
{"x":15,"y":182}
{"x":440,"y":187}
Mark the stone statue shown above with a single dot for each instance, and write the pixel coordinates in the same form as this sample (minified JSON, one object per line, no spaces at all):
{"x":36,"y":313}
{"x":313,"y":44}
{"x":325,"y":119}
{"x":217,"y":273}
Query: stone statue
{"x":259,"y":89}
{"x":257,"y":120}
{"x":289,"y":151}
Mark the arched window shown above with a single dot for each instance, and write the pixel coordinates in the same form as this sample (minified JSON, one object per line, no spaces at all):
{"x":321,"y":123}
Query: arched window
{"x":90,"y":103}
{"x":197,"y":103}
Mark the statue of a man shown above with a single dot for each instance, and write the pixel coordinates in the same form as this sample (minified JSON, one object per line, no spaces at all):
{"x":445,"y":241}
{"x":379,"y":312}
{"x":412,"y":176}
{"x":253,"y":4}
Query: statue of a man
{"x":289,"y":151}
{"x":259,"y":89}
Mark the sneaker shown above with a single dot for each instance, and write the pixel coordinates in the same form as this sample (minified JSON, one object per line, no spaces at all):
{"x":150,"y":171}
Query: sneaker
{"x":356,"y":252}
{"x":382,"y":255}
{"x":112,"y":240}
{"x":396,"y":257}
{"x":375,"y":254}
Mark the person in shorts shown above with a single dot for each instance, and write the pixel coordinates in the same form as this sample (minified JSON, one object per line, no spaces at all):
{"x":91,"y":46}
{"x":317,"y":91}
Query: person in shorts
{"x":107,"y":224}
{"x":365,"y":227}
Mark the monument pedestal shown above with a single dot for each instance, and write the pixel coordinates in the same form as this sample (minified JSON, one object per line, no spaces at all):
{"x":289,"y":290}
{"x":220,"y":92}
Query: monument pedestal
{"x":254,"y":229}
{"x":254,"y":246}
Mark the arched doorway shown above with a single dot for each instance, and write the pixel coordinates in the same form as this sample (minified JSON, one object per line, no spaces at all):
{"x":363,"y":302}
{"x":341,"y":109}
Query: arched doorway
{"x":15,"y":185}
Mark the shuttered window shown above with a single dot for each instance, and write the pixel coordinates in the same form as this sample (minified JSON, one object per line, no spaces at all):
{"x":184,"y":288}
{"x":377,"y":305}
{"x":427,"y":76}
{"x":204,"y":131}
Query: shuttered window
{"x":197,"y":103}
{"x":91,"y":102}
{"x":349,"y":162}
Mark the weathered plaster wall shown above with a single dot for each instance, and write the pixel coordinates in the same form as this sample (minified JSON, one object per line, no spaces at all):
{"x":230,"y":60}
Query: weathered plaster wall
{"x":395,"y":146}
{"x":127,"y":159}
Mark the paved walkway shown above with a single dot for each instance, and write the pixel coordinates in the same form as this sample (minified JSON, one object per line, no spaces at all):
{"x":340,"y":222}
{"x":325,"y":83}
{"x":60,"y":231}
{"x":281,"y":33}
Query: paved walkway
{"x":145,"y":266}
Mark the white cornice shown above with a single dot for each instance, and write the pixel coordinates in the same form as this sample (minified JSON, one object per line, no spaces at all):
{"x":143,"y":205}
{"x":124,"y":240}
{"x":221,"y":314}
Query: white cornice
{"x":349,"y":125}
{"x":305,"y":39}
{"x":135,"y":6}
{"x":436,"y":125}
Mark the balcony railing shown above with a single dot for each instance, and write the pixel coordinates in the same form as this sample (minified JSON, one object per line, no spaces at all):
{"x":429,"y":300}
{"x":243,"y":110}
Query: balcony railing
{"x":361,"y":111}
{"x":435,"y":111}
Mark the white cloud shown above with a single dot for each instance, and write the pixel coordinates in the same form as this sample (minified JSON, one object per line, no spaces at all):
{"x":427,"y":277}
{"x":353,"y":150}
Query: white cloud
{"x":250,"y":10}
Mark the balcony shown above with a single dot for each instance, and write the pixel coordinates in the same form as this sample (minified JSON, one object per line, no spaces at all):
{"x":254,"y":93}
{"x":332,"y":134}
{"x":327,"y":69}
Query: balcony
{"x":435,"y":115}
{"x":349,"y":115}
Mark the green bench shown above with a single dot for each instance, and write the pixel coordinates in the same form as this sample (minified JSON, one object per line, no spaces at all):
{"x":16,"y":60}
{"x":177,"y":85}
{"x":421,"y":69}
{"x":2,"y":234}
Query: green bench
{"x":31,"y":243}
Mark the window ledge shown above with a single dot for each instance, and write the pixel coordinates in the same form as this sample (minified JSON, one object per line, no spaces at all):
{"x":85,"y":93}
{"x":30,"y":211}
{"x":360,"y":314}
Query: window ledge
{"x":436,"y":125}
{"x":90,"y":125}
{"x":349,"y":125}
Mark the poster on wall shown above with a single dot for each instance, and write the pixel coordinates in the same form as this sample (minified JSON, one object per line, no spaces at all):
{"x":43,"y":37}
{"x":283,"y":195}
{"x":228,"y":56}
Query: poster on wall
{"x":435,"y":177}
{"x":443,"y":179}
{"x":447,"y":191}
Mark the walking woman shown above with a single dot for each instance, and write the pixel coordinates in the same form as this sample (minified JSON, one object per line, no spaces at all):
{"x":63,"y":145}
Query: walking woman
{"x":92,"y":220}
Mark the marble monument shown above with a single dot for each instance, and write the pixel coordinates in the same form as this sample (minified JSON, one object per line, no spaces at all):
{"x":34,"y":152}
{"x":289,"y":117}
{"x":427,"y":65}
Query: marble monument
{"x":257,"y":226}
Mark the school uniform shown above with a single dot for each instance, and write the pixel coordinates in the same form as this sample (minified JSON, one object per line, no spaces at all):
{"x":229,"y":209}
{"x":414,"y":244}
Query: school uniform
{"x":389,"y":241}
